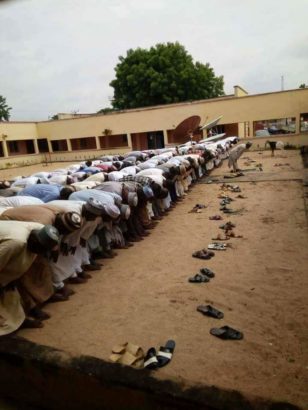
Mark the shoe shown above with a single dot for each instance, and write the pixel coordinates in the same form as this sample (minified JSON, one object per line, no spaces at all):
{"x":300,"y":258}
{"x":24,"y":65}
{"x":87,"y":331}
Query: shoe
{"x":84,"y":275}
{"x":76,"y":280}
{"x":39,"y":314}
{"x":65,"y":291}
{"x":57,"y":297}
{"x":91,"y":266}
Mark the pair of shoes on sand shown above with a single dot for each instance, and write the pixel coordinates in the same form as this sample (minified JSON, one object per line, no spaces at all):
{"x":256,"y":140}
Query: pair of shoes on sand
{"x":153,"y":359}
{"x":203,"y":254}
{"x":224,"y":332}
{"x":203,"y":276}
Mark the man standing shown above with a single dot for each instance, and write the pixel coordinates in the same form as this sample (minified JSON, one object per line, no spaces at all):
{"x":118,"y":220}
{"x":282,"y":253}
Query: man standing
{"x":235,"y":154}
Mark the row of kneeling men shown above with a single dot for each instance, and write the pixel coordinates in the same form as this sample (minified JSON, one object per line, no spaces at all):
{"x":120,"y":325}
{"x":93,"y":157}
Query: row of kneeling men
{"x":54,"y":226}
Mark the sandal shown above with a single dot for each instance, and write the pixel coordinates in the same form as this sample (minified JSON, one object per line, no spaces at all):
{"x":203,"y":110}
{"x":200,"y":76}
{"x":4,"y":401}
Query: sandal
{"x":203,"y":254}
{"x":165,"y":353}
{"x":205,"y":271}
{"x":226,"y":332}
{"x":199,"y":278}
{"x":150,"y":360}
{"x":215,"y":218}
{"x":219,"y":238}
{"x":217,"y":246}
{"x":209,"y":310}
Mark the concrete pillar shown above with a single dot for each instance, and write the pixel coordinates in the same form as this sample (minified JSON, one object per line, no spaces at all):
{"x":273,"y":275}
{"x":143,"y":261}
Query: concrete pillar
{"x":129,"y":141}
{"x":250,"y":129}
{"x":297,"y":123}
{"x":36,"y":148}
{"x":97,"y":142}
{"x":166,"y":141}
{"x":241,"y":130}
{"x":69,"y":145}
{"x":5,"y":150}
{"x":49,"y":145}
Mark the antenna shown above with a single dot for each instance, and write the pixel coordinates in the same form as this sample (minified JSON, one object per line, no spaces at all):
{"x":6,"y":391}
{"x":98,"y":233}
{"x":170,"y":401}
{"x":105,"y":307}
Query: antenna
{"x":282,"y":83}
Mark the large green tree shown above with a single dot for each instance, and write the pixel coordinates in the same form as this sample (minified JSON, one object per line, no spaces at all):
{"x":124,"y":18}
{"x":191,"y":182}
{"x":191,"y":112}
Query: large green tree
{"x":163,"y":74}
{"x":4,"y":109}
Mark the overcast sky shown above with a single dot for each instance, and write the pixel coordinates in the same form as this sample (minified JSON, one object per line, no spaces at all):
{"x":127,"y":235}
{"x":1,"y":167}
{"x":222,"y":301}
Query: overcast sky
{"x":59,"y":55}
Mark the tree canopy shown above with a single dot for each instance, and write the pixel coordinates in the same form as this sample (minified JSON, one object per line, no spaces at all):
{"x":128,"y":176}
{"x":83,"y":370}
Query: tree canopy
{"x":4,"y":109}
{"x":163,"y":74}
{"x":303,"y":86}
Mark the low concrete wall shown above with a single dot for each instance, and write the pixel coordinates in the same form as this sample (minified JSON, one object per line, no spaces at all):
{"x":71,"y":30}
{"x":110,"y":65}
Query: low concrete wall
{"x":65,"y":156}
{"x":52,"y":379}
{"x":21,"y":160}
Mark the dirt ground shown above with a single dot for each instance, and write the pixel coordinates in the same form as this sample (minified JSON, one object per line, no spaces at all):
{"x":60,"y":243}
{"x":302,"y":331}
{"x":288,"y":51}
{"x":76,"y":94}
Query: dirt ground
{"x":143,"y":295}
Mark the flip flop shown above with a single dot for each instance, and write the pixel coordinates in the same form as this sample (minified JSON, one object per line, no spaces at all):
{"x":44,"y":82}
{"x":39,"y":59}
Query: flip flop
{"x":199,"y":278}
{"x":226,"y":333}
{"x":215,"y":218}
{"x":150,"y":360}
{"x":209,"y":310}
{"x":207,"y":272}
{"x":211,"y":253}
{"x":219,"y":238}
{"x":202,"y":254}
{"x":228,"y":225}
{"x":165,"y":353}
{"x":217,"y":246}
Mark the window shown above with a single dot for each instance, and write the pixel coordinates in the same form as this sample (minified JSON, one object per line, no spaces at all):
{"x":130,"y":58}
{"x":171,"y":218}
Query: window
{"x":304,"y":122}
{"x":266,"y":128}
{"x":83,"y":143}
{"x":13,"y":146}
{"x":42,"y":145}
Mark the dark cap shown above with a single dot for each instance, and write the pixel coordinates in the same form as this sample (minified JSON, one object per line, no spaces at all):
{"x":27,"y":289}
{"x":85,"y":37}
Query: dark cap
{"x":48,"y":236}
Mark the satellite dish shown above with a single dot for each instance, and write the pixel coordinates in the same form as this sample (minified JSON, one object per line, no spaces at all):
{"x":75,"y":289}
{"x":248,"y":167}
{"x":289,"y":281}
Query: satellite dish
{"x":186,"y":127}
{"x":211,"y":124}
{"x":214,"y":138}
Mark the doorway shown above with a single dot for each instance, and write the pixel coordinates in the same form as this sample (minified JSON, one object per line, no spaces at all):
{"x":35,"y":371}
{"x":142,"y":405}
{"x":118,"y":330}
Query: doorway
{"x":155,"y":140}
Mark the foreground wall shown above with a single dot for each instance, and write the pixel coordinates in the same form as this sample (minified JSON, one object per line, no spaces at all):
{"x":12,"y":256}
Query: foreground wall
{"x":43,"y":377}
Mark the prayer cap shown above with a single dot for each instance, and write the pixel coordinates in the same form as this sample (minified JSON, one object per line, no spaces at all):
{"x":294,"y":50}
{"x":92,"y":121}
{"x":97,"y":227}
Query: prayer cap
{"x":125,"y":211}
{"x":148,"y":192}
{"x":132,"y":199}
{"x":94,"y":206}
{"x":48,"y":236}
{"x":71,"y":221}
{"x":111,"y":210}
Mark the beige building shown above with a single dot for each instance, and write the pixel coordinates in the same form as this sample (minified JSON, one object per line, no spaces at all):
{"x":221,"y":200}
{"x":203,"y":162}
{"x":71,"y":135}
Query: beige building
{"x":284,"y":114}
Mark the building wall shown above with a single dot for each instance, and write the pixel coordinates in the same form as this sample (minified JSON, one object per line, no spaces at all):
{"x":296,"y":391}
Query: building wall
{"x":18,"y":130}
{"x":239,"y":112}
{"x":234,"y":110}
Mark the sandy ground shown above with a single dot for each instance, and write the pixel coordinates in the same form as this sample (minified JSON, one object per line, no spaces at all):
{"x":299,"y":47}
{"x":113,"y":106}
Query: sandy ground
{"x":143,"y":295}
